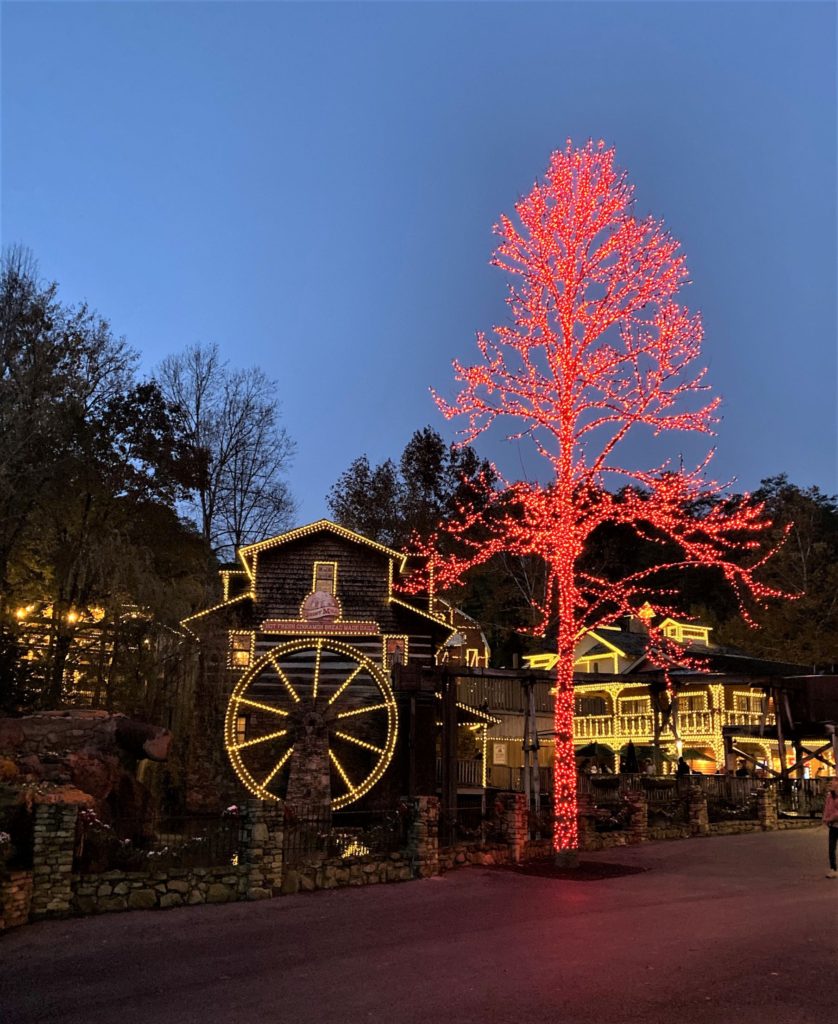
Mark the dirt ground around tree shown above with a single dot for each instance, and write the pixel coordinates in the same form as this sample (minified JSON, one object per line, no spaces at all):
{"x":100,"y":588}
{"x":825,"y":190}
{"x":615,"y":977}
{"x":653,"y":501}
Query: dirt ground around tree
{"x":729,"y":930}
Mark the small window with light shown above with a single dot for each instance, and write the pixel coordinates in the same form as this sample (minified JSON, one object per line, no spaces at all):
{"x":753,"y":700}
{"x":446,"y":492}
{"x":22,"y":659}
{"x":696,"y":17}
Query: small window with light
{"x":241,"y":650}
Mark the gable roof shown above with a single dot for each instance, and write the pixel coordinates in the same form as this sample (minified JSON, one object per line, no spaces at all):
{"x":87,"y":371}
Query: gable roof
{"x":215,"y":608}
{"x":617,"y":642}
{"x":319,"y":526}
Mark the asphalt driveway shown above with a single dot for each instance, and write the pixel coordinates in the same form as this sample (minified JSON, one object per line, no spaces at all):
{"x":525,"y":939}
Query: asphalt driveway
{"x":738,"y":929}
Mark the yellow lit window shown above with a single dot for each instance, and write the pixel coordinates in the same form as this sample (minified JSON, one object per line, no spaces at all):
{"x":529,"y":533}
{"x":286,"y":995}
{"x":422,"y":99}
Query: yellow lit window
{"x":749,"y":702}
{"x":326,"y":576}
{"x":635,"y":706}
{"x":591,"y":706}
{"x":395,"y":650}
{"x":240,"y":650}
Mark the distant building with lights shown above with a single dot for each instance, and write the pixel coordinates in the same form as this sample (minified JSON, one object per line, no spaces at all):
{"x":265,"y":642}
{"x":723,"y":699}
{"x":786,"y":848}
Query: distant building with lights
{"x":620,"y":698}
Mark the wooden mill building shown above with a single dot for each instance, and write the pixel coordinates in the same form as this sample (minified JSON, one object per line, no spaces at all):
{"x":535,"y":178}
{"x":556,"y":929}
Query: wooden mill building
{"x":310,"y":684}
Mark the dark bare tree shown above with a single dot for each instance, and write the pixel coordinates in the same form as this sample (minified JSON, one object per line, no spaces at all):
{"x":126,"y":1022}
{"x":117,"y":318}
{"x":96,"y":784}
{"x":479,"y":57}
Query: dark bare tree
{"x":232,"y":418}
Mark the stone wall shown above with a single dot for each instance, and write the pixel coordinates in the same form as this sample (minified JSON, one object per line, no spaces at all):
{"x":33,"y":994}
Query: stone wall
{"x":335,"y":872}
{"x":262,"y":838}
{"x":515,"y":824}
{"x":176,"y":887}
{"x":53,"y":890}
{"x":788,"y":823}
{"x":733,"y":828}
{"x":538,"y":849}
{"x":698,"y":823}
{"x":423,"y":837}
{"x":463,"y":854}
{"x":52,"y":858}
{"x":15,"y":899}
{"x":767,"y":810}
{"x":670,"y":832}
{"x":57,"y":731}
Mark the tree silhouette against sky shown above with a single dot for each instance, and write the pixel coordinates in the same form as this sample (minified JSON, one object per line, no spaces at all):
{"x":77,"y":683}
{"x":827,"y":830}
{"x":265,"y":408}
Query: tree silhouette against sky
{"x":596,"y":349}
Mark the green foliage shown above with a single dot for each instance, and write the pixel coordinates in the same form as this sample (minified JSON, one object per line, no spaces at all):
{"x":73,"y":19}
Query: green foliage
{"x":802,"y":631}
{"x":94,"y":560}
{"x":369,"y":501}
{"x":390,"y":504}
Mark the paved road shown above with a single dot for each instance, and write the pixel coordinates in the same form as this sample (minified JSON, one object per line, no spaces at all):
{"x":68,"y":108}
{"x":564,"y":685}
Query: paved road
{"x":739,"y":929}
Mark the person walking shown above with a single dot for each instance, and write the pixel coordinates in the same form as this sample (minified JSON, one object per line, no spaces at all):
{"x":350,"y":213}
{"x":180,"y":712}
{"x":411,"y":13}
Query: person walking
{"x":830,"y":819}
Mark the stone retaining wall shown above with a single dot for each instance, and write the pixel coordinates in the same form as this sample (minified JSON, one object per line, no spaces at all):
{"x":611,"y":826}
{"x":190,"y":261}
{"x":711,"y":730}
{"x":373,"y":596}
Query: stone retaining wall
{"x":52,"y":859}
{"x":336,"y":872}
{"x":57,"y":730}
{"x":671,"y":832}
{"x":734,"y":828}
{"x":462,"y":854}
{"x":53,"y":890}
{"x":177,"y":887}
{"x":538,"y":849}
{"x":15,"y":899}
{"x":423,"y":837}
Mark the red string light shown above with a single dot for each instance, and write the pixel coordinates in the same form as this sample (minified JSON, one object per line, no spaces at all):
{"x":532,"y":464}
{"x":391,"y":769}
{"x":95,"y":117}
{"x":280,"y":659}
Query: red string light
{"x":596,"y":348}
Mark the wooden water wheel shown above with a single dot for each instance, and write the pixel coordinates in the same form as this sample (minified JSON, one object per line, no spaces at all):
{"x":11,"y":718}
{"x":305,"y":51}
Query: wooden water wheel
{"x":312,"y":721}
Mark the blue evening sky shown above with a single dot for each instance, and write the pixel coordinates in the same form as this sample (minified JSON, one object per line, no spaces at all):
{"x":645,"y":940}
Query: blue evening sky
{"x":313,"y":187}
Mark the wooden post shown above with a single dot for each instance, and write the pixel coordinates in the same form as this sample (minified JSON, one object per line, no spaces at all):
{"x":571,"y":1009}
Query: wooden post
{"x":781,"y":738}
{"x":673,"y":716}
{"x":449,"y":746}
{"x":833,"y":735}
{"x":531,"y":779}
{"x":526,"y":744}
{"x":798,"y":758}
{"x":728,"y":744}
{"x":656,"y":727}
{"x":763,"y":713}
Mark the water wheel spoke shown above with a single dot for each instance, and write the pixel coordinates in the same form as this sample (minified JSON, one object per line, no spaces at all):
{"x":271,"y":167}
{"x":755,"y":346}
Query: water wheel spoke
{"x":359,"y":743}
{"x":259,"y":739}
{"x":261,"y":707}
{"x":363,"y":710}
{"x":341,"y":771}
{"x":345,"y":683}
{"x":286,"y":682}
{"x":277,"y":767}
{"x":315,"y":684}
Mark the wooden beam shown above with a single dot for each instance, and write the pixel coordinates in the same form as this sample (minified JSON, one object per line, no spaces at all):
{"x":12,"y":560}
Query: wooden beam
{"x":730,"y":763}
{"x":781,"y":739}
{"x":815,"y":755}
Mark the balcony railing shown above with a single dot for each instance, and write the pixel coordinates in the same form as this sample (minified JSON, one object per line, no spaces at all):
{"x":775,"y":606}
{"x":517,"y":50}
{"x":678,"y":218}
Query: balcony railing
{"x":695,"y":722}
{"x":746,"y":718}
{"x":635,"y":725}
{"x":469,"y":773}
{"x":592,"y":727}
{"x":690,"y":723}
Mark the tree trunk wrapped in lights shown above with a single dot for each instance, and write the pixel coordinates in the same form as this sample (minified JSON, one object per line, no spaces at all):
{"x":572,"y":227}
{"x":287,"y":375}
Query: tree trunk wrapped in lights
{"x":597,"y":348}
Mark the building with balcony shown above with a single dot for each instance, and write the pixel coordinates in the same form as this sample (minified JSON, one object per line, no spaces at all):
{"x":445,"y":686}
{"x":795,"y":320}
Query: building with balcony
{"x":722,"y":703}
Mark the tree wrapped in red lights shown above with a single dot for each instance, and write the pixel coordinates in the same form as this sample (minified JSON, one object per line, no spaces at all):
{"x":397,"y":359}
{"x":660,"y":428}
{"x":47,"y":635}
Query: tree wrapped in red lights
{"x":597,"y":349}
